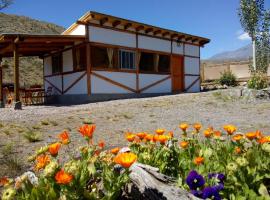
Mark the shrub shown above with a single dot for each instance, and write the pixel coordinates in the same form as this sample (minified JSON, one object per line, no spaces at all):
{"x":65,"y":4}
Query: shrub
{"x":258,"y":81}
{"x":228,"y":78}
{"x":32,"y":136}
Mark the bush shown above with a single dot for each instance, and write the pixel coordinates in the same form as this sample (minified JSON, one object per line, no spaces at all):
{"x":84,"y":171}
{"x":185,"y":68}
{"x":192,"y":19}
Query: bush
{"x":258,"y":81}
{"x":228,"y":78}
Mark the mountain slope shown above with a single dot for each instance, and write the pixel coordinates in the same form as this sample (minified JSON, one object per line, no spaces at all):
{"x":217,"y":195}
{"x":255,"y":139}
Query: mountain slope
{"x":243,"y":53}
{"x":31,"y":72}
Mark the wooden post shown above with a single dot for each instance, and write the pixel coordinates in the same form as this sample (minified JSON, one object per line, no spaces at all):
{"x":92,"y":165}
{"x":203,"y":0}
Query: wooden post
{"x":88,"y":61}
{"x":1,"y":85}
{"x":18,"y":104}
{"x":137,"y":66}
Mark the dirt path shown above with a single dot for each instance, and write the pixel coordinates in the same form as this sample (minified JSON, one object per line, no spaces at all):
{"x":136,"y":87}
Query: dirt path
{"x":114,"y":118}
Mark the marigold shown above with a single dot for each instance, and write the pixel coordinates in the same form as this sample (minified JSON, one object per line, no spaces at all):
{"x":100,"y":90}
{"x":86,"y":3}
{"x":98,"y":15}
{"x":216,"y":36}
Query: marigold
{"x":64,"y":137}
{"x":62,"y":177}
{"x":237,"y":137}
{"x":155,"y":138}
{"x":198,"y":160}
{"x":54,"y":148}
{"x":149,"y":137}
{"x":251,"y":135}
{"x":3,"y":181}
{"x":160,"y":131}
{"x":264,"y":139}
{"x":238,"y":150}
{"x":217,"y":134}
{"x":207,"y":133}
{"x":42,"y":161}
{"x":115,"y":150}
{"x":162,"y":139}
{"x":184,"y":144}
{"x":87,"y":130}
{"x":130,"y":137}
{"x":125,"y":159}
{"x":197,"y":127}
{"x":101,"y":144}
{"x":171,"y":134}
{"x":230,"y":129}
{"x":141,"y":135}
{"x":183,"y":126}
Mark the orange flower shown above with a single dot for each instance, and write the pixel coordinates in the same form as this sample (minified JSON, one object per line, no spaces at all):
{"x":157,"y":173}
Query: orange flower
{"x":184,"y":144}
{"x":101,"y":144}
{"x":162,"y":139}
{"x":137,"y":140}
{"x":237,"y":137}
{"x":238,"y":150}
{"x":264,"y":139}
{"x":141,"y":135}
{"x":130,"y":137}
{"x":183,"y":126}
{"x":198,"y":160}
{"x":54,"y":148}
{"x":42,"y":161}
{"x":64,"y":137}
{"x":62,"y":177}
{"x":115,"y":150}
{"x":259,"y":134}
{"x":217,"y":134}
{"x":197,"y":127}
{"x":230,"y":129}
{"x":160,"y":131}
{"x":149,"y":137}
{"x":87,"y":130}
{"x":251,"y":135}
{"x":155,"y":138}
{"x":125,"y":159}
{"x":171,"y":134}
{"x":3,"y":181}
{"x":208,"y":133}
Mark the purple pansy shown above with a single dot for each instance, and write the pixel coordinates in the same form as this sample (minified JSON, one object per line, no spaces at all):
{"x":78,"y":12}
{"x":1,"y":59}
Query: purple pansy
{"x":211,"y":193}
{"x":194,"y":180}
{"x":220,"y":177}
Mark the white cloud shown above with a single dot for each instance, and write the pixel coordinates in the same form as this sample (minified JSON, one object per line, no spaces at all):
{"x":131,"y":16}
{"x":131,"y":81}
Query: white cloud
{"x":242,"y":35}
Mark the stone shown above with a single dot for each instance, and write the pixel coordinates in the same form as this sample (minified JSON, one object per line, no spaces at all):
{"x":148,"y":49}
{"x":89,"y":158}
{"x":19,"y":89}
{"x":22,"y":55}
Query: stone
{"x":18,"y":105}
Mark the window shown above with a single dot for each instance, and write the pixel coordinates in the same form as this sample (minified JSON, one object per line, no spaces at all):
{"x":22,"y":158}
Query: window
{"x":127,"y":59}
{"x":164,"y":63}
{"x":56,"y":63}
{"x":155,"y":63}
{"x":99,"y":57}
{"x":80,"y":58}
{"x":146,"y":62}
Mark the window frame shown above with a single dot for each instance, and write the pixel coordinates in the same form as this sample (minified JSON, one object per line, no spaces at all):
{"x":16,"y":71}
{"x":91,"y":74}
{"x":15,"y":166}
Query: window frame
{"x":130,"y":52}
{"x":74,"y":55}
{"x":60,"y":68}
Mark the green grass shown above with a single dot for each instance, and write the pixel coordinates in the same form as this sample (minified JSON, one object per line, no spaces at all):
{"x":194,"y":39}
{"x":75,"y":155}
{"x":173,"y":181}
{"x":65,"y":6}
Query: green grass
{"x":10,"y":159}
{"x":45,"y":122}
{"x":32,"y":136}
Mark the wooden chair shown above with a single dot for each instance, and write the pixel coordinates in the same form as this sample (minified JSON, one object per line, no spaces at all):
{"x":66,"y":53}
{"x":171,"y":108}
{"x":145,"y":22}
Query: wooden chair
{"x":9,"y":97}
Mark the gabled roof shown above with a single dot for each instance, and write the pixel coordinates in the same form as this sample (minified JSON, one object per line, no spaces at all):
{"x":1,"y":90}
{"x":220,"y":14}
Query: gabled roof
{"x":136,"y":26}
{"x":35,"y":45}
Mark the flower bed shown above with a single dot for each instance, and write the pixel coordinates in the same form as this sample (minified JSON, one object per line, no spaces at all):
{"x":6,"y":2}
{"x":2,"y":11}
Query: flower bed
{"x":219,"y":165}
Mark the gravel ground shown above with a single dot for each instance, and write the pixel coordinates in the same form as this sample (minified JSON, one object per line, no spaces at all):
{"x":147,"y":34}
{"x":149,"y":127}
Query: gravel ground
{"x":114,"y":118}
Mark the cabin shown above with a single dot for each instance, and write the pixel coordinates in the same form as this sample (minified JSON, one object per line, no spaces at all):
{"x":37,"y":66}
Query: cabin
{"x":102,"y":57}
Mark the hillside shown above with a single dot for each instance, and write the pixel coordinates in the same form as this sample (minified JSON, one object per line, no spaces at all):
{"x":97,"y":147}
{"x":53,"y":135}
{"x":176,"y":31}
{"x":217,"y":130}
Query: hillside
{"x":31,"y":73}
{"x":243,"y":53}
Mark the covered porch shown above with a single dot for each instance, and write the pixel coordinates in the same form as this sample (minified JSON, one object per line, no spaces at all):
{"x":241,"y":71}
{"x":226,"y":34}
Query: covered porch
{"x":25,"y":45}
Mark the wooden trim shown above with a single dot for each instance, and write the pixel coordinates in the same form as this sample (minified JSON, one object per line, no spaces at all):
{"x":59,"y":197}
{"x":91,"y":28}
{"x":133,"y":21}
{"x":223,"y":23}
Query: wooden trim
{"x":155,"y":83}
{"x":192,"y":56}
{"x":64,"y":73}
{"x":137,"y":66}
{"x":113,"y":82}
{"x":184,"y":66}
{"x":171,"y":70}
{"x":111,"y":46}
{"x":143,"y":34}
{"x":88,"y":61}
{"x":197,"y":79}
{"x":114,"y":70}
{"x":192,"y":74}
{"x":74,"y":83}
{"x":16,"y":72}
{"x":53,"y":86}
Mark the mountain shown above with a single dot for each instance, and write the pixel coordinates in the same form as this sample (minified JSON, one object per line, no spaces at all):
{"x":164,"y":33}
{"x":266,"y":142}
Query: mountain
{"x":32,"y":72}
{"x":243,"y":53}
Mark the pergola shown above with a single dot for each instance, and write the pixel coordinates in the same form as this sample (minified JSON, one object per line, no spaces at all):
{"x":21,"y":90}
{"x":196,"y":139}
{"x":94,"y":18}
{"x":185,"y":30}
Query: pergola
{"x":25,"y":45}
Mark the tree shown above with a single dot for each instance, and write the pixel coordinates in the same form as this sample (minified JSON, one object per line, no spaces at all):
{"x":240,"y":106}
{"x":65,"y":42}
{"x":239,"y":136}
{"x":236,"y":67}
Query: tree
{"x":251,"y":13}
{"x":5,"y":3}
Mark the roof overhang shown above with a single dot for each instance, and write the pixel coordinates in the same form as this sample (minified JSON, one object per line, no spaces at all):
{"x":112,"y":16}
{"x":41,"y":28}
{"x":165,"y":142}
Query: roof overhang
{"x":136,"y":26}
{"x":35,"y":45}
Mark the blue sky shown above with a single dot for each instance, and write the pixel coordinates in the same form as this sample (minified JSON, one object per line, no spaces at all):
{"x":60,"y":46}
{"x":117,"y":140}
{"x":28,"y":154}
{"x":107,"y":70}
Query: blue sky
{"x":214,"y":19}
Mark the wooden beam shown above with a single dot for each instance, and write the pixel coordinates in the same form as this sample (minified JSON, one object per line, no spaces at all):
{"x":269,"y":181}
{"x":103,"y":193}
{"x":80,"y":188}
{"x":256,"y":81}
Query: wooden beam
{"x":149,"y":30}
{"x":16,"y":76}
{"x":195,"y":40}
{"x":116,"y":23}
{"x":81,"y":23}
{"x":173,"y":35}
{"x":127,"y":25}
{"x":1,"y":85}
{"x":165,"y":33}
{"x":88,"y":65}
{"x":181,"y":37}
{"x":157,"y":32}
{"x":188,"y":38}
{"x":139,"y":28}
{"x":103,"y":20}
{"x":155,"y":83}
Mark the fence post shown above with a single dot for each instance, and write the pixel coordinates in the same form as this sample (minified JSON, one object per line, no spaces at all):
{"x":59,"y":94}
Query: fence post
{"x":202,"y":72}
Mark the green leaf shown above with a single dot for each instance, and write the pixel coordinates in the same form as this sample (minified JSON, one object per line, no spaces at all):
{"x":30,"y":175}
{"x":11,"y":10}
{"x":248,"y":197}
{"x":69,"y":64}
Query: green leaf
{"x":263,"y":190}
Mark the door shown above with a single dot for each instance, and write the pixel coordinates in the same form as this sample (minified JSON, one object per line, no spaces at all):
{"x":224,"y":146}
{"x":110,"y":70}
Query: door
{"x":177,"y":73}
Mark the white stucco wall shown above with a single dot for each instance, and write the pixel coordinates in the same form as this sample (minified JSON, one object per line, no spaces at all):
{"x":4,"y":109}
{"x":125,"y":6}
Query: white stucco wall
{"x":113,"y":37}
{"x":80,"y":87}
{"x":56,"y":81}
{"x":99,"y":86}
{"x":155,"y":44}
{"x":79,"y":30}
{"x":192,"y":66}
{"x":189,"y":80}
{"x":67,"y":61}
{"x":47,"y":66}
{"x":163,"y":87}
{"x":177,"y":49}
{"x":192,"y":50}
{"x":148,"y":79}
{"x":127,"y":79}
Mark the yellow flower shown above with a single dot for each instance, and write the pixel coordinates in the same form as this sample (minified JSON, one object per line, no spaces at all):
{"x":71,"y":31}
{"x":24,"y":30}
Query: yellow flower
{"x":125,"y":159}
{"x":183,"y":126}
{"x":54,"y":148}
{"x":208,"y":133}
{"x":237,"y":137}
{"x":184,"y":144}
{"x":230,"y":129}
{"x":251,"y":135}
{"x":42,"y":161}
{"x":130,"y":137}
{"x":197,"y":127}
{"x":160,"y":131}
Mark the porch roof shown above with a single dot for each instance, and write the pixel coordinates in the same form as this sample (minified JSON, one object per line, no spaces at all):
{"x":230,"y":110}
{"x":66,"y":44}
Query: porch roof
{"x":35,"y":45}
